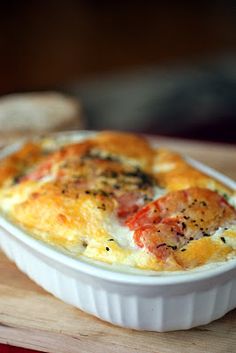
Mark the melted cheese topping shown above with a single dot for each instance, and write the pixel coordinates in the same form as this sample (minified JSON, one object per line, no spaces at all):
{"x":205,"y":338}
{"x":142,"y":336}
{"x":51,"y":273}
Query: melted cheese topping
{"x":115,"y":199}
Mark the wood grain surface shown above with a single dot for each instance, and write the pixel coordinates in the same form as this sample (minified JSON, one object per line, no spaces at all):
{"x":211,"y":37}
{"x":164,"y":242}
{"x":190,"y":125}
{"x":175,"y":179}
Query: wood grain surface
{"x":32,"y":318}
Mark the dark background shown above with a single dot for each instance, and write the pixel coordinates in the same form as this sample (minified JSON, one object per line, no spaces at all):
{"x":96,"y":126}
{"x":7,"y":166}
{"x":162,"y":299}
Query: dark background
{"x":162,"y":67}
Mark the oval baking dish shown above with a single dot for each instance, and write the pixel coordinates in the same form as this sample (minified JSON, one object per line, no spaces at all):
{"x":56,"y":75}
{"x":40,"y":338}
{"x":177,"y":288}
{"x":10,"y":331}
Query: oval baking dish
{"x":170,"y":301}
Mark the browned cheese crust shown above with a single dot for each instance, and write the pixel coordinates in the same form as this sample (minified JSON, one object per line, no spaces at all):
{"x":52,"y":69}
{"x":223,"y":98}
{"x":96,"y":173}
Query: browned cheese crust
{"x":116,"y":199}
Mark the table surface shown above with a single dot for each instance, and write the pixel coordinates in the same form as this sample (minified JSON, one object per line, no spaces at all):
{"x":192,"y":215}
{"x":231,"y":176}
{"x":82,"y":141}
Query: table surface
{"x":34,"y":319}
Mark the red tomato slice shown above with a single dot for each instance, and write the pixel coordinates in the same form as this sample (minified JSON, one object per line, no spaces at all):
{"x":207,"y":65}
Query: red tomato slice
{"x":128,"y":204}
{"x":179,"y":217}
{"x":148,"y":215}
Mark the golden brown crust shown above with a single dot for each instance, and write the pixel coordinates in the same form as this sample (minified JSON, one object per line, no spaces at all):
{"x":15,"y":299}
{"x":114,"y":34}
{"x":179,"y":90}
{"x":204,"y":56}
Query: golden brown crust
{"x":65,"y":217}
{"x":131,"y":146}
{"x":17,"y":162}
{"x":95,"y":198}
{"x":174,"y":173}
{"x":202,"y":251}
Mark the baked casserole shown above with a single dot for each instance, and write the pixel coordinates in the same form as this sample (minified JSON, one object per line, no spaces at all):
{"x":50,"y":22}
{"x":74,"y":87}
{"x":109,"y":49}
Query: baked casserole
{"x":115,"y":198}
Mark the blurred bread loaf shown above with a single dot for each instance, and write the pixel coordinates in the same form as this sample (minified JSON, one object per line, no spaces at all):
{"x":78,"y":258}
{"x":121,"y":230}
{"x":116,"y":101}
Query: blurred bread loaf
{"x":27,"y":114}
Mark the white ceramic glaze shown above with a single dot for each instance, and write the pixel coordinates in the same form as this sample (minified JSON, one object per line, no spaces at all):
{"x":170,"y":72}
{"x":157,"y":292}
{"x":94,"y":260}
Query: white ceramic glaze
{"x":134,"y":300}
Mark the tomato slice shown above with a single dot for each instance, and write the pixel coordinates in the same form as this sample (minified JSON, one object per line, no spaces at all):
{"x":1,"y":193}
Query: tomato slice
{"x":129,"y":204}
{"x":174,"y":220}
{"x":147,"y":215}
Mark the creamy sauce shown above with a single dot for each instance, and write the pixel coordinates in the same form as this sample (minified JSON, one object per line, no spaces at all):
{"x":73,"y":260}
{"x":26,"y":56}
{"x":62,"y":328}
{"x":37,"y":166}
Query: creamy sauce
{"x":121,"y":234}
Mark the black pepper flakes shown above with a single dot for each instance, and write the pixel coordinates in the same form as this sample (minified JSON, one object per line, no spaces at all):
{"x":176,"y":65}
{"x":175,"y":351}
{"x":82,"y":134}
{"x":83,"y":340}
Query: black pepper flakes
{"x":184,"y":226}
{"x":107,"y":249}
{"x":116,"y":187}
{"x":223,"y":239}
{"x":160,"y":245}
{"x":102,"y":207}
{"x":173,"y":247}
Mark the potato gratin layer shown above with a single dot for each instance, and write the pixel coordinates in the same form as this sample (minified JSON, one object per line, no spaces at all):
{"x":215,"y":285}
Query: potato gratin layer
{"x":114,"y":198}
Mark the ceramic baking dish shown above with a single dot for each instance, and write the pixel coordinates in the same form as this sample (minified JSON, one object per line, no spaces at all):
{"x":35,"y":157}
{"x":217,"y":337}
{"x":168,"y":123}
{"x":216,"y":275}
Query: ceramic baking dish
{"x":170,"y":301}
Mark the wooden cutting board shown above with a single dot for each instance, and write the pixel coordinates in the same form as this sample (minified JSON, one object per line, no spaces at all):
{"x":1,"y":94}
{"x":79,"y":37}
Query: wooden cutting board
{"x":32,"y":318}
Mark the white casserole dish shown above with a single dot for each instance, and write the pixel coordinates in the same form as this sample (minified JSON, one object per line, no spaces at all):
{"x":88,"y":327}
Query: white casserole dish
{"x":161,"y":302}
